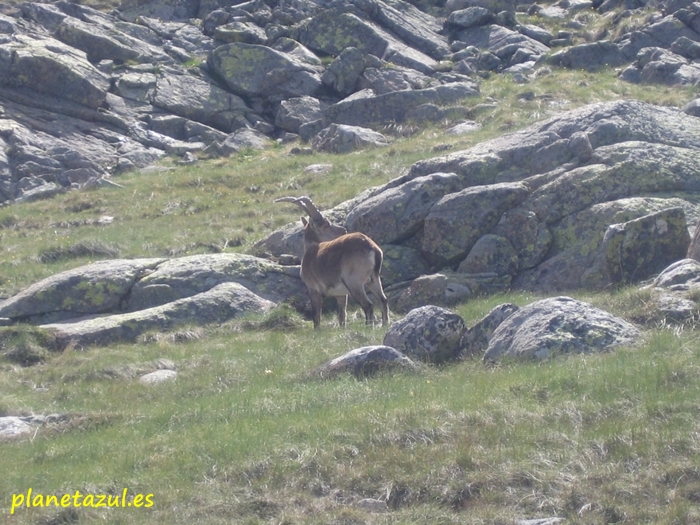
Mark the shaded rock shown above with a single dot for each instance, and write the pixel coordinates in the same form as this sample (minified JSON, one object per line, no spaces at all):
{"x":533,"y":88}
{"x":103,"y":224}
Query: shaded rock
{"x":470,"y":17}
{"x":526,"y":234}
{"x":343,"y":73}
{"x":219,"y":304}
{"x":198,"y":100}
{"x":491,"y":253}
{"x":366,"y":362}
{"x":458,"y":220}
{"x":429,"y":333}
{"x":476,"y":339}
{"x":398,"y":212}
{"x":340,"y":138}
{"x":393,"y":107}
{"x":295,"y":112}
{"x":589,"y":57}
{"x":401,"y":264}
{"x":576,"y":242}
{"x":447,"y":288}
{"x":502,"y":42}
{"x":559,"y":325}
{"x":638,"y":249}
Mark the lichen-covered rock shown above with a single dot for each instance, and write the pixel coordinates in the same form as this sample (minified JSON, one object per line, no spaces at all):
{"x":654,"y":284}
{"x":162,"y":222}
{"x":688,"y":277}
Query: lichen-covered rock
{"x":456,"y":221}
{"x":428,"y":333}
{"x":366,"y":362}
{"x":398,"y":212}
{"x":556,"y":326}
{"x":255,"y":70}
{"x":589,"y":56}
{"x":51,"y":67}
{"x":638,"y":249}
{"x":343,"y":73}
{"x":221,"y":303}
{"x":491,"y":253}
{"x":96,"y":288}
{"x":187,"y":276}
{"x":401,"y":263}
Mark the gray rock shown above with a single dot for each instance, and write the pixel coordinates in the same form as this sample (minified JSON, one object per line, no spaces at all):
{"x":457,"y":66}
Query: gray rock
{"x":343,"y":73}
{"x":389,"y":79}
{"x":638,"y":249}
{"x":295,"y":112}
{"x":219,"y":304}
{"x":458,"y":220}
{"x":491,"y":253}
{"x":495,"y":6}
{"x":476,"y":339}
{"x":398,"y":212}
{"x":692,"y":108}
{"x":254,"y":70}
{"x":339,"y":138}
{"x":556,"y":326}
{"x":366,"y":362}
{"x":589,"y":57}
{"x":429,"y":333}
{"x":679,"y":276}
{"x":446,"y":288}
{"x":241,"y":32}
{"x":12,"y":426}
{"x":401,"y":264}
{"x":96,"y":288}
{"x":158,"y":376}
{"x":393,"y":107}
{"x":470,"y":17}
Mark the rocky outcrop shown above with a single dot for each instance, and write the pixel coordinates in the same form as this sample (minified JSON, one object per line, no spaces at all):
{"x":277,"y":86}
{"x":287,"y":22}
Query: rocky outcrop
{"x":596,"y":197}
{"x":86,"y":95}
{"x":122,"y":299}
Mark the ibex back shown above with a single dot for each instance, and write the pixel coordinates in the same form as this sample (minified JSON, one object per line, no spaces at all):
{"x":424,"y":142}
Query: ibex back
{"x":338,"y":264}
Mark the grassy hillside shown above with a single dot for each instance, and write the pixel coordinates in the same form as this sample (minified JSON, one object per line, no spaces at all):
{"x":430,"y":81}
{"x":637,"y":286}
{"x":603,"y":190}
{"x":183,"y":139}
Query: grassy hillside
{"x":247,"y":435}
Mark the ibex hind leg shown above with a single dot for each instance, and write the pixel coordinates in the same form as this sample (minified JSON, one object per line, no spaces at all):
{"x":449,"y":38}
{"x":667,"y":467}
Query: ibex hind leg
{"x":375,"y":286}
{"x":358,"y":293}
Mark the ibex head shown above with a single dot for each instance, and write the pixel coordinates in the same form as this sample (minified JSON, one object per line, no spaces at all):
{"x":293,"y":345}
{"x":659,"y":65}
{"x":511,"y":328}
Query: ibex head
{"x":317,"y":228}
{"x":338,"y":264}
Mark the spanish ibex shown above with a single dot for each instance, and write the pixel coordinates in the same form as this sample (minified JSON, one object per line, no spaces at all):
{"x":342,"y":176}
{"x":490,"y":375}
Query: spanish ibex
{"x":337,"y":263}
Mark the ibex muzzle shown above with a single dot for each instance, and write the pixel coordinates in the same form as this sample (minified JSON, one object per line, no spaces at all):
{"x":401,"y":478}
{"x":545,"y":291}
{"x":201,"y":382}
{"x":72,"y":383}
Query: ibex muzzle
{"x":338,"y":264}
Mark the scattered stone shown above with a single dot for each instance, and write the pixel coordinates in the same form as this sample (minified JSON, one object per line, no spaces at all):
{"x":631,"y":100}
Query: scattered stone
{"x":159,"y":376}
{"x":366,"y":362}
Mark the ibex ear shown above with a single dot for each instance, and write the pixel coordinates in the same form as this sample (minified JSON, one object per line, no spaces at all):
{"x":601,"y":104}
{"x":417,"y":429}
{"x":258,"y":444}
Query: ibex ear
{"x":304,"y":221}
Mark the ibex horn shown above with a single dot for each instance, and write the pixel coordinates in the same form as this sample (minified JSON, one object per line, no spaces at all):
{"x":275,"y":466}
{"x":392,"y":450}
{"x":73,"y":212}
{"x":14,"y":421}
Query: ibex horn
{"x":305,"y":203}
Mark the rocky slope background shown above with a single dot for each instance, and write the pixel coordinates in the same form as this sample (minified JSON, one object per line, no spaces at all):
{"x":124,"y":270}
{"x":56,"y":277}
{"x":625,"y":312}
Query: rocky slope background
{"x":597,"y":197}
